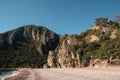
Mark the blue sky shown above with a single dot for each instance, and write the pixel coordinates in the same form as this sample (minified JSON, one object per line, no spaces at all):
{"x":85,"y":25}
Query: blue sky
{"x":60,"y":16}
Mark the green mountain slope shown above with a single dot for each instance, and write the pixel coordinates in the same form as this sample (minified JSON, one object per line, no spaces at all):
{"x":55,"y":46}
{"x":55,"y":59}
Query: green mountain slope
{"x":26,"y":46}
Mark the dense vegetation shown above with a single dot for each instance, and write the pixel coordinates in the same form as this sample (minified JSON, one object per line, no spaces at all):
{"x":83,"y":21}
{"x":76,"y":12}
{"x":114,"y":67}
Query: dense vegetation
{"x":19,"y":49}
{"x":26,"y":46}
{"x":25,"y":55}
{"x":106,"y":48}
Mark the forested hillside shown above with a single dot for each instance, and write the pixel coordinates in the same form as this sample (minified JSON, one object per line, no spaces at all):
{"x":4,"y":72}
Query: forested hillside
{"x":37,"y":46}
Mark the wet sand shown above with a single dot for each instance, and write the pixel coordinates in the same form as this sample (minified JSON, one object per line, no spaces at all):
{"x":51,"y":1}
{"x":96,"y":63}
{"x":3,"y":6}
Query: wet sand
{"x":68,"y":74}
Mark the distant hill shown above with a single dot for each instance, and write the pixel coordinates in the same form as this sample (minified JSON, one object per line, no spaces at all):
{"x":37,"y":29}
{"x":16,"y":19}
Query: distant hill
{"x":37,"y":46}
{"x":26,"y":46}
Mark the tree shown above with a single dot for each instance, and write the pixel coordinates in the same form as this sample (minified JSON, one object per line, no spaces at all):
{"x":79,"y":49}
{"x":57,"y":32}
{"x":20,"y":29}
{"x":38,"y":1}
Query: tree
{"x":101,"y":21}
{"x":117,"y":19}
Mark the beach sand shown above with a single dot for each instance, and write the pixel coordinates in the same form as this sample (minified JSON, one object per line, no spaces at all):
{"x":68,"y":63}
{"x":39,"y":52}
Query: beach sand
{"x":68,"y":74}
{"x":22,"y":75}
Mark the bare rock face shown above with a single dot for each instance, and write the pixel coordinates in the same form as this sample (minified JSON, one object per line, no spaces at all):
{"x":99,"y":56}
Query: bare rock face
{"x":51,"y":59}
{"x":98,"y":63}
{"x":102,"y":28}
{"x":63,"y":57}
{"x":115,"y":34}
{"x":92,"y":38}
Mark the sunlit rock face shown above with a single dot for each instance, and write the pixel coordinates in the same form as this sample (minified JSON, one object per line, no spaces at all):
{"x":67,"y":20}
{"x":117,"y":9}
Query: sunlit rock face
{"x":64,"y":56}
{"x":92,"y":38}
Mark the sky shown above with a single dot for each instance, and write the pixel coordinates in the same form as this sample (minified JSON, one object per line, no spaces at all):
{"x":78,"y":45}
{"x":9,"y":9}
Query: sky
{"x":60,"y":16}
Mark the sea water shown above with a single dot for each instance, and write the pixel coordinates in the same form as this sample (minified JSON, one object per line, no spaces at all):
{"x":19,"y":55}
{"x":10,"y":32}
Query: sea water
{"x":5,"y":73}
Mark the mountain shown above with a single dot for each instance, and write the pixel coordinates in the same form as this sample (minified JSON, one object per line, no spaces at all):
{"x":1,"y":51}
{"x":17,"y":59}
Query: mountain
{"x":37,"y":46}
{"x":26,"y":46}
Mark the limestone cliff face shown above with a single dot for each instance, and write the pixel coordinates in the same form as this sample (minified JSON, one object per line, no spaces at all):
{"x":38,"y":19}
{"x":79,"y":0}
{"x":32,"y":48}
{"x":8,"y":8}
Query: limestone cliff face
{"x":64,"y":56}
{"x":98,"y":63}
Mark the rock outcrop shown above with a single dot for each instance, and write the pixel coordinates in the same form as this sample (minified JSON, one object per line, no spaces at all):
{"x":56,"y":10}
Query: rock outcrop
{"x":37,"y":46}
{"x":115,"y":34}
{"x":64,"y":56}
{"x":92,"y":38}
{"x":98,"y":63}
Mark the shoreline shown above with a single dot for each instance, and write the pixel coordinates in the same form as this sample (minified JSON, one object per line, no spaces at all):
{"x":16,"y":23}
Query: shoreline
{"x":67,"y":74}
{"x":22,"y":75}
{"x":7,"y":72}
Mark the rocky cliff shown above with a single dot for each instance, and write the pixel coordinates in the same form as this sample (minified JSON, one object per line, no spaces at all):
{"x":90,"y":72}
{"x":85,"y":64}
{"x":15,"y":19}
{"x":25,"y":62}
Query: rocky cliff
{"x":37,"y":46}
{"x":96,"y":47}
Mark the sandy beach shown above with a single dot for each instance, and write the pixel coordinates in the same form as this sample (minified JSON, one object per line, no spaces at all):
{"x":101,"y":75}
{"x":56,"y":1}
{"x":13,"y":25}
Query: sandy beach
{"x":68,"y":74}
